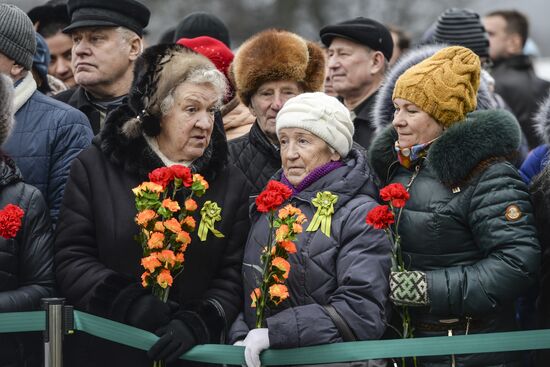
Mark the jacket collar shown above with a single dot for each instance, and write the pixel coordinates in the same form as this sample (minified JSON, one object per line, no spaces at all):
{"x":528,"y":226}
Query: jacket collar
{"x":23,"y":91}
{"x":9,"y":173}
{"x":258,"y":138}
{"x":456,"y":155}
{"x":542,"y":120}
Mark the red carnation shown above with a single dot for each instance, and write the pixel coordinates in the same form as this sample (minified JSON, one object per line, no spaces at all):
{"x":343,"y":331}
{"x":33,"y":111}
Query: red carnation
{"x":162,"y":176}
{"x":396,"y":194}
{"x":273,"y":196}
{"x":183,"y":173}
{"x":10,"y":220}
{"x":380,"y":217}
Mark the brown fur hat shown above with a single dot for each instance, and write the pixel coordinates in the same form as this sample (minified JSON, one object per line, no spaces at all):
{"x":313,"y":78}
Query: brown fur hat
{"x":157,"y":71}
{"x":274,"y":55}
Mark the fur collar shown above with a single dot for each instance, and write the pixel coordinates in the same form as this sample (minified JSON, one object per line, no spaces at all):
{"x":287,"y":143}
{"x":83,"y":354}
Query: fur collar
{"x":382,"y":113}
{"x":542,"y":120}
{"x":134,"y":155}
{"x":461,"y":151}
{"x":24,"y":91}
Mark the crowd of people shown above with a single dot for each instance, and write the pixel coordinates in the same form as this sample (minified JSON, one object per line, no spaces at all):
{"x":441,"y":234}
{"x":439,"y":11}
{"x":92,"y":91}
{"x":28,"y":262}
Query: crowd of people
{"x":459,"y":120}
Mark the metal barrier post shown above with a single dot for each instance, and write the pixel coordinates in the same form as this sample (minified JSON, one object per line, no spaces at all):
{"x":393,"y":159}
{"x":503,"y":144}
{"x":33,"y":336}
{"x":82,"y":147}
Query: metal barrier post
{"x":53,"y":334}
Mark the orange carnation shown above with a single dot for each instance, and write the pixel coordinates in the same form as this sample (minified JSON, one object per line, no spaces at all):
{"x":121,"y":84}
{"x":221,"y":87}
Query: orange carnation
{"x":189,"y":223}
{"x":156,"y":240}
{"x":173,"y":225}
{"x":297,"y":228}
{"x":288,"y":211}
{"x":191,"y":205}
{"x":301,"y":218}
{"x":278,"y":293}
{"x":288,"y":246}
{"x":143,"y":217}
{"x":199,"y":178}
{"x":159,"y":227}
{"x":281,"y":233}
{"x":282,"y":265}
{"x":184,"y":238}
{"x":171,"y":205}
{"x":145,"y":279}
{"x":164,"y":279}
{"x":167,"y":257}
{"x":255,"y":295}
{"x":150,"y":263}
{"x":179,"y":258}
{"x":147,"y":186}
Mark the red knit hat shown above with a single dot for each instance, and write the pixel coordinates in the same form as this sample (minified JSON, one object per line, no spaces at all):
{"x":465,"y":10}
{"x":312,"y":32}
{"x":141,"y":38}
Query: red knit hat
{"x":215,"y":50}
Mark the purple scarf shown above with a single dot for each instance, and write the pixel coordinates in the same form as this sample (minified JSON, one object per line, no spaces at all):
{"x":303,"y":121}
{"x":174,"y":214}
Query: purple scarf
{"x":313,"y":176}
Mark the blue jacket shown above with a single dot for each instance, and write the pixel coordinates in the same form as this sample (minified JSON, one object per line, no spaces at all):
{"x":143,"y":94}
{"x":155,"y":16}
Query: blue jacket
{"x":348,"y":271}
{"x":46,"y":137}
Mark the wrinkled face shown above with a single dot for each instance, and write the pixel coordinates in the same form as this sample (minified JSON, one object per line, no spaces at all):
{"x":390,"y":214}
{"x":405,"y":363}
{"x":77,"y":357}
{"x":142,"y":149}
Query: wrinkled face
{"x":268,"y":100}
{"x":349,"y":66}
{"x":413,"y":125}
{"x":100,"y":57}
{"x":60,"y":46}
{"x":302,"y":152}
{"x":187,"y":127}
{"x":498,"y":37}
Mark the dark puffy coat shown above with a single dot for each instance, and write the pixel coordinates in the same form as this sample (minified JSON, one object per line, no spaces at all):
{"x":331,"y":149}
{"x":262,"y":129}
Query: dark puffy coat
{"x":459,"y":228}
{"x":364,"y":126}
{"x":519,"y":86}
{"x":256,"y":157}
{"x":46,"y":137}
{"x":95,"y":248}
{"x":26,"y":265}
{"x":349,"y":270}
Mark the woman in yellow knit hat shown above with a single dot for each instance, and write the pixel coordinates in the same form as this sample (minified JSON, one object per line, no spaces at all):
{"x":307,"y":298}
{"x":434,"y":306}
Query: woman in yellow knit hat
{"x":467,"y":232}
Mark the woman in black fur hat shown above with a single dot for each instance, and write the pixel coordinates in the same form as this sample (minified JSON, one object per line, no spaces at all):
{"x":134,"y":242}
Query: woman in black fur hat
{"x":171,"y":118}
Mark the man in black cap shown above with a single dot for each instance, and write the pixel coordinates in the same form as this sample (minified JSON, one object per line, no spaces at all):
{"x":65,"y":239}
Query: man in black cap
{"x":107,"y":39}
{"x":358,"y":54}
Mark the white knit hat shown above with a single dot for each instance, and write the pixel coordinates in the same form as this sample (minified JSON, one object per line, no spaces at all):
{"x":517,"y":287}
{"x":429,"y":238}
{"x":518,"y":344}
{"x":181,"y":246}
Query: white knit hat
{"x":321,"y":115}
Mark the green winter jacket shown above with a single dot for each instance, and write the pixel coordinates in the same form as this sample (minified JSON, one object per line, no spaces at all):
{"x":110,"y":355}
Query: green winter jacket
{"x":469,"y":226}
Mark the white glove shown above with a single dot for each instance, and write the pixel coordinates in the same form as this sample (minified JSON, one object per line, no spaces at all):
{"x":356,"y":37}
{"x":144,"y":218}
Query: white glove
{"x":255,"y":342}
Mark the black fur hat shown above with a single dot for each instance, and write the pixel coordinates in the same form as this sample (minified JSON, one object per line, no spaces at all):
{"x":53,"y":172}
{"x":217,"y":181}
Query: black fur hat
{"x":157,"y":71}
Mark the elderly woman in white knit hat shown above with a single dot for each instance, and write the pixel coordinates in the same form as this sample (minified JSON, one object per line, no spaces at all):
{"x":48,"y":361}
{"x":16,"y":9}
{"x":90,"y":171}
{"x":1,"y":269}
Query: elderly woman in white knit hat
{"x":338,"y":285}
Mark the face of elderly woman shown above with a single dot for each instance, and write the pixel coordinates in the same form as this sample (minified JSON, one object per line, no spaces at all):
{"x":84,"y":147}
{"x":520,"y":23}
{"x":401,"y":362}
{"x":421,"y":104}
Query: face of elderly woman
{"x":187,"y":127}
{"x":413,"y":125}
{"x":268,"y":100}
{"x":302,"y":152}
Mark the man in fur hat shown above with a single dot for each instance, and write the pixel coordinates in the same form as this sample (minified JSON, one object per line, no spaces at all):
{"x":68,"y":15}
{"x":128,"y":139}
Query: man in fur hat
{"x":359,"y":51}
{"x":270,"y":68}
{"x":98,"y":28}
{"x":47,"y":134}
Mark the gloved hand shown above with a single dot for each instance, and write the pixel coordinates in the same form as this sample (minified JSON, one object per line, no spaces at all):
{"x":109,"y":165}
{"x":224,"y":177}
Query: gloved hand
{"x":149,"y":313}
{"x":176,"y":338}
{"x":255,"y":342}
{"x":409,"y":288}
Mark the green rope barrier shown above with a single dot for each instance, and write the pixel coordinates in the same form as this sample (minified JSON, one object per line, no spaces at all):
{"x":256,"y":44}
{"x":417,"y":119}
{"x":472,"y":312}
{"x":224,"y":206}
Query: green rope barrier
{"x":15,"y":322}
{"x":331,"y":353}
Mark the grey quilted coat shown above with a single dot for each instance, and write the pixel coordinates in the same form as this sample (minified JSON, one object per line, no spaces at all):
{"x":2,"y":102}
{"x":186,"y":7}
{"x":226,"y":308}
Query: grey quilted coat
{"x":349,"y":270}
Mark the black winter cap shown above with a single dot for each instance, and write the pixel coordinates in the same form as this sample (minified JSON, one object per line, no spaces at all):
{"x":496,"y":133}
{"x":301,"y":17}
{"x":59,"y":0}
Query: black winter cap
{"x":129,"y":14}
{"x":202,"y":24}
{"x":52,"y":11}
{"x":362,"y":30}
{"x":462,"y":27}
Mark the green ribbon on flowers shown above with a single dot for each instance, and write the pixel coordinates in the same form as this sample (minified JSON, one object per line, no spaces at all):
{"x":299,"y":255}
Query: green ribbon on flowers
{"x":210,"y":214}
{"x":324,"y":202}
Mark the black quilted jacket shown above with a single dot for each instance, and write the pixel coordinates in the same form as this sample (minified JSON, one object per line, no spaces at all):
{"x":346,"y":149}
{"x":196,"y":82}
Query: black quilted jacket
{"x":256,"y":157}
{"x":26,"y":264}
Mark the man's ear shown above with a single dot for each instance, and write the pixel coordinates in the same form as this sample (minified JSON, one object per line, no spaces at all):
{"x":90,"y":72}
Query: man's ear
{"x":17,"y":72}
{"x":378,"y":62}
{"x":136,"y":47}
{"x":514,"y":44}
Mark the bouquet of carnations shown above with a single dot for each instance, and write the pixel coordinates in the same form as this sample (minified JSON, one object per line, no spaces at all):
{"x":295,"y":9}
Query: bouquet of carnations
{"x":283,"y":229}
{"x":165,"y":225}
{"x":387,"y":217}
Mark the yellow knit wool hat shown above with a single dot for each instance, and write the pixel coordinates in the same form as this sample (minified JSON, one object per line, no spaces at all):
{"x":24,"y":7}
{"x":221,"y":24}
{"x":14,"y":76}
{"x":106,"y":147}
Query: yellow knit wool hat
{"x":443,"y":85}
